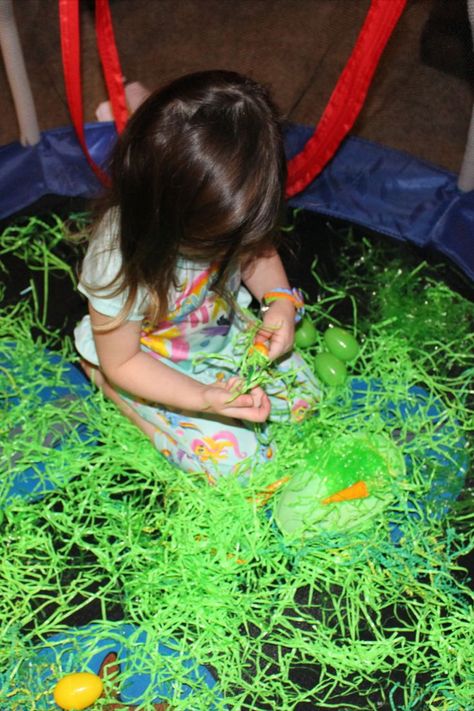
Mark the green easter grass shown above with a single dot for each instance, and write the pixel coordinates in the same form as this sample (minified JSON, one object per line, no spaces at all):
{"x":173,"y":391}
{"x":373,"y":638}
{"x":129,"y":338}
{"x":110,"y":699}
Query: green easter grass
{"x":339,"y":620}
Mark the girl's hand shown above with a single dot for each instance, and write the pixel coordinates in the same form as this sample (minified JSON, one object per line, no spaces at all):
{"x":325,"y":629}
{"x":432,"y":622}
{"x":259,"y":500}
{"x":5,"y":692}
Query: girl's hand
{"x":221,"y":399}
{"x":278,"y":328}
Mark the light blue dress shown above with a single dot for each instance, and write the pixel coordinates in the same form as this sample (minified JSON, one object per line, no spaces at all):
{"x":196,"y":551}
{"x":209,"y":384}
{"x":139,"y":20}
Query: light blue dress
{"x":202,"y":336}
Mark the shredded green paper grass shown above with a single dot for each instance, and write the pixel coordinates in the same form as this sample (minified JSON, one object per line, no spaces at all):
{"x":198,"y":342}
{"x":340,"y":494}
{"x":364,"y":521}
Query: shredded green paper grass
{"x":335,"y":620}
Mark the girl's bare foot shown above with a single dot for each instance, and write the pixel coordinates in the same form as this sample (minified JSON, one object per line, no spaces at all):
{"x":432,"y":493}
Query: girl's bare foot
{"x":92,"y":372}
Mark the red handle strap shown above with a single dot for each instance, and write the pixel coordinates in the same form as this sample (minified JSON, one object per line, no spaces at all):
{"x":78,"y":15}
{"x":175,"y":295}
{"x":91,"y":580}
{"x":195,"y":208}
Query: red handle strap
{"x":110,"y":63}
{"x":348,"y":96}
{"x":71,"y":56}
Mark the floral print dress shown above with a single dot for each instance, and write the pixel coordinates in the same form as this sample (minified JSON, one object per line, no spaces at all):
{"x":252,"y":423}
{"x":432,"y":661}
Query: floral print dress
{"x":202,"y":337}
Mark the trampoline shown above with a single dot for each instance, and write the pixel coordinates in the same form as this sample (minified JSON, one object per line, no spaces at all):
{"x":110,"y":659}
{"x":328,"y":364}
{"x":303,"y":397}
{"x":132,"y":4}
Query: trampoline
{"x":266,"y":594}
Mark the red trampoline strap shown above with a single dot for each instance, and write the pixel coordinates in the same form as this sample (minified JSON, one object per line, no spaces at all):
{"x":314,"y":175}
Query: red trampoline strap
{"x":110,"y":63}
{"x":348,"y":96}
{"x":71,"y":56}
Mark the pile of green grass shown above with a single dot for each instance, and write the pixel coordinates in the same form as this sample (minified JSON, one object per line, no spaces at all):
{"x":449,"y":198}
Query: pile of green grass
{"x":335,"y":620}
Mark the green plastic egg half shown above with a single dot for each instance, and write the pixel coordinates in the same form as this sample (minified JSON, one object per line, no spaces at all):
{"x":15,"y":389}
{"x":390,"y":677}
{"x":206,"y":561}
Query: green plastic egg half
{"x":330,"y":369}
{"x":331,"y":466}
{"x":341,"y":343}
{"x":306,"y":334}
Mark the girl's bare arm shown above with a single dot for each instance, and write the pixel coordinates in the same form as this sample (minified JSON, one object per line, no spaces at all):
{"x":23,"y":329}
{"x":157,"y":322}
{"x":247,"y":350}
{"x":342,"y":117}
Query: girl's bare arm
{"x":131,"y":369}
{"x":262,"y":275}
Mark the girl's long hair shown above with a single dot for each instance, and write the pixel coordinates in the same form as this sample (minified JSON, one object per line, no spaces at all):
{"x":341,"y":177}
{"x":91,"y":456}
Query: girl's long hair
{"x":198,"y":172}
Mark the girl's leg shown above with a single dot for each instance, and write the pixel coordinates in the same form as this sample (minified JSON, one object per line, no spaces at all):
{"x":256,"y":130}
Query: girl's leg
{"x":205,"y":444}
{"x":296,"y":393}
{"x":193,"y":442}
{"x":97,"y":378}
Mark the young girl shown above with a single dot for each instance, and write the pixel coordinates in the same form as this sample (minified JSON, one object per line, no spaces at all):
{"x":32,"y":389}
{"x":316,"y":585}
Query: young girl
{"x":188,"y":236}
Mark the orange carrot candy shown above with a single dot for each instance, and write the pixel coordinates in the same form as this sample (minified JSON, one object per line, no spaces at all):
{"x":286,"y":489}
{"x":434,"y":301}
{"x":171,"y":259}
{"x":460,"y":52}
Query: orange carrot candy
{"x":255,"y":365}
{"x":358,"y":490}
{"x":262,"y":497}
{"x":260,"y":348}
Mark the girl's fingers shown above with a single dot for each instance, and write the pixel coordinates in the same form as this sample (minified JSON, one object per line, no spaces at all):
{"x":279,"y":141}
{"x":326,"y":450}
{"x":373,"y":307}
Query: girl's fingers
{"x":245,"y":400}
{"x":252,"y":414}
{"x":259,"y":396}
{"x":264,"y":334}
{"x":254,"y":406}
{"x":234,"y":383}
{"x":279,"y":347}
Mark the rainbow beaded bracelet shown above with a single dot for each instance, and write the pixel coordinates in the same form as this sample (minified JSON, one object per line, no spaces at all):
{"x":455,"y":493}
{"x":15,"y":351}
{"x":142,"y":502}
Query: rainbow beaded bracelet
{"x":295,"y":296}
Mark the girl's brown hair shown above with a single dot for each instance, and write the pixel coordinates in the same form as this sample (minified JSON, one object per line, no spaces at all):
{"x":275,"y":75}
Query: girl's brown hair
{"x":198,"y":172}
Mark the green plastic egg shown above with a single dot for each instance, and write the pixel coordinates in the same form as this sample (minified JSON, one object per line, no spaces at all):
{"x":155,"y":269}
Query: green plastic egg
{"x":341,"y":343}
{"x":330,"y":369}
{"x":306,"y":334}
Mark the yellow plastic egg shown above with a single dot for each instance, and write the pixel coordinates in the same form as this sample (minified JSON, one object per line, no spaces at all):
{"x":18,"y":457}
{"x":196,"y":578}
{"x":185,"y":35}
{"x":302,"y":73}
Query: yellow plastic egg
{"x":77,"y":691}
